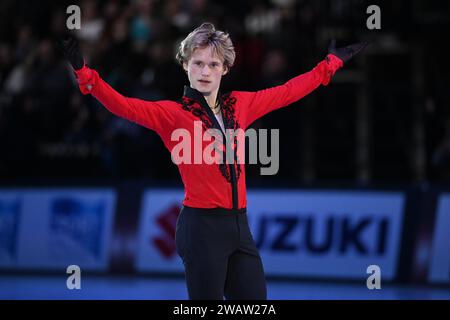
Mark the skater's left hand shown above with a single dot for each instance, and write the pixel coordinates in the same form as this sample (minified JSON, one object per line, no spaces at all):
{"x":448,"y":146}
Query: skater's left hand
{"x":71,"y":50}
{"x":348,"y":52}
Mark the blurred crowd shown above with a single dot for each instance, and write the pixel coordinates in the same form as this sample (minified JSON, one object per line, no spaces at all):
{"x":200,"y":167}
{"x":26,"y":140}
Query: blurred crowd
{"x":49,"y":130}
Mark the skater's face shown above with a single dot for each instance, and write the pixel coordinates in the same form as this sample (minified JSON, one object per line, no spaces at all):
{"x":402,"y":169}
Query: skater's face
{"x":205,"y":70}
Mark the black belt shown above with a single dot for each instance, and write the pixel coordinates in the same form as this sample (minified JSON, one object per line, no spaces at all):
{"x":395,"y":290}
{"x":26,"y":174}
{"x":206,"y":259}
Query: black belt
{"x":221,"y":211}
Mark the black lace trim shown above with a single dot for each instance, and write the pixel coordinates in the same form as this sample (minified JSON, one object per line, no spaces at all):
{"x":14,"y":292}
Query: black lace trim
{"x":196,"y":109}
{"x":228,"y":103}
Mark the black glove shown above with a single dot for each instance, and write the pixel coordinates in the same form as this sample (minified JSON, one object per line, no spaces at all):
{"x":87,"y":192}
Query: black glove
{"x":346,"y":53}
{"x":71,"y":50}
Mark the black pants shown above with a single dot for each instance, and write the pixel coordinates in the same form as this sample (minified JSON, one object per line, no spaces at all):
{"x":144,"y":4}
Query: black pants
{"x":219,"y":255}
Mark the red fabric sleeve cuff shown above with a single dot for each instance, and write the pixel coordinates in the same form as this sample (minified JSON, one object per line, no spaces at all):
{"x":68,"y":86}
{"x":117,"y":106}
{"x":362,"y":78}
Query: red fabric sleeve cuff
{"x":333,"y":64}
{"x":87,"y":79}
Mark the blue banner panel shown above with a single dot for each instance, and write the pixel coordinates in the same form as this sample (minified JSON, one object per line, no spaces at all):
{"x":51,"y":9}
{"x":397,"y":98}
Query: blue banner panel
{"x":327,"y":234}
{"x":439,"y":270}
{"x":52,"y":229}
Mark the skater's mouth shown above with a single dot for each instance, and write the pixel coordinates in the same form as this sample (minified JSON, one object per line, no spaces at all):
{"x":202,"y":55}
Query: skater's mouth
{"x":204,"y":81}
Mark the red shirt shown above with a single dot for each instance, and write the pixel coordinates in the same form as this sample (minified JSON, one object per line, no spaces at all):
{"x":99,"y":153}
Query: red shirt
{"x":218,"y":184}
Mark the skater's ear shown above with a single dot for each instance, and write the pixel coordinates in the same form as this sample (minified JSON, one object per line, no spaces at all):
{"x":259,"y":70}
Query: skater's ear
{"x":185,"y":66}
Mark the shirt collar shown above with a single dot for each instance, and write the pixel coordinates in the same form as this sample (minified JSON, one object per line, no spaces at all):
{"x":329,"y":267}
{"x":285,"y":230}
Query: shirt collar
{"x":196,"y":95}
{"x":193,"y":94}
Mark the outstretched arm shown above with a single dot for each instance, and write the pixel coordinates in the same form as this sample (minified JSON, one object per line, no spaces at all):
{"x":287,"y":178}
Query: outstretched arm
{"x":259,"y":103}
{"x":152,"y":115}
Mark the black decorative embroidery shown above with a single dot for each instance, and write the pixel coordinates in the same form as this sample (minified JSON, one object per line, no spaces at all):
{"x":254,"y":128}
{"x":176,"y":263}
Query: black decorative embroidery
{"x":228,"y":103}
{"x":196,"y":109}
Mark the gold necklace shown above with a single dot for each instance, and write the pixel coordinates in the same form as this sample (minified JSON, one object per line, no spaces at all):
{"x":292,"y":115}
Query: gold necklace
{"x":217,"y":107}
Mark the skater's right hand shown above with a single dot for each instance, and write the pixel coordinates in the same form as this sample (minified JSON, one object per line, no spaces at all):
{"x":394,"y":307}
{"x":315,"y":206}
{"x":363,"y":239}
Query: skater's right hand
{"x":71,"y":50}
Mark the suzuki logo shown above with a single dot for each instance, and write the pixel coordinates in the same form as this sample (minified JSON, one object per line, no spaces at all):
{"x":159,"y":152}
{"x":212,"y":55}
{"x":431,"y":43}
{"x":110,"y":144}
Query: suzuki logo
{"x":166,"y":222}
{"x":365,"y":235}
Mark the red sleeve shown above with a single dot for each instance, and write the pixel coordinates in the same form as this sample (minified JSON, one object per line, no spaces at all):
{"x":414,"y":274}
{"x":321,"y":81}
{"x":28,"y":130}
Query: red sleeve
{"x":152,"y":115}
{"x":256,"y":104}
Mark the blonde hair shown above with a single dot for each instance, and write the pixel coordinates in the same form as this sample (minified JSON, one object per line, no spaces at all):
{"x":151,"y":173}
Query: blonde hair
{"x":204,"y":36}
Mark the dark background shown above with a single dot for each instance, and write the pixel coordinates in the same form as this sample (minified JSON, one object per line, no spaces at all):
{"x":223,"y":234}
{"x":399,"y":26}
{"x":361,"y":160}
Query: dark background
{"x":384,"y":118}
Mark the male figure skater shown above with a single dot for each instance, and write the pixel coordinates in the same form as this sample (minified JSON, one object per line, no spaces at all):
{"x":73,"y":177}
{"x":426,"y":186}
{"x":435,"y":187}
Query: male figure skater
{"x":212,"y":235}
